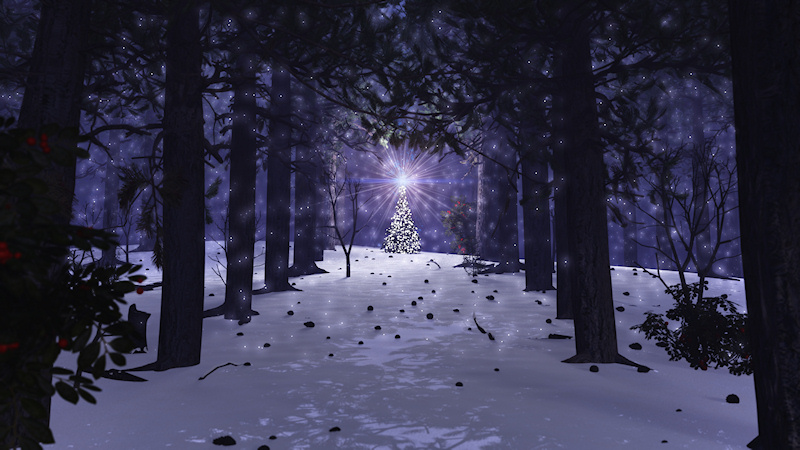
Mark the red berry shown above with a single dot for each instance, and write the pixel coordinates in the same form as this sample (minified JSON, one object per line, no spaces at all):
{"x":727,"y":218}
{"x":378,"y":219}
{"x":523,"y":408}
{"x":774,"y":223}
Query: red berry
{"x":62,"y":342}
{"x":3,"y":348}
{"x":45,"y":147}
{"x":43,"y":137}
{"x":140,"y":290}
{"x":13,"y":346}
{"x":18,"y":255}
{"x":31,"y":141}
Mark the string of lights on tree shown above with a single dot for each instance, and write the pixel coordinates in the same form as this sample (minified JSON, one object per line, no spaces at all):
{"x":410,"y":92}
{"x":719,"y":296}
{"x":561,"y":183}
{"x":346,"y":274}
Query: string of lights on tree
{"x":402,"y":236}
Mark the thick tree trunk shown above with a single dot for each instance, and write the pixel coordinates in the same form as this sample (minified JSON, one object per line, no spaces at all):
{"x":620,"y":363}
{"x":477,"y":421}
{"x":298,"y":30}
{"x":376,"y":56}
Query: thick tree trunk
{"x":306,"y":248}
{"x":306,"y":179}
{"x":276,"y":270}
{"x":585,"y":172}
{"x":53,"y":93}
{"x":565,"y":276}
{"x":497,"y":229}
{"x":54,"y":86}
{"x":242,"y":201}
{"x":536,"y":218}
{"x":181,"y":327}
{"x":766,"y":87}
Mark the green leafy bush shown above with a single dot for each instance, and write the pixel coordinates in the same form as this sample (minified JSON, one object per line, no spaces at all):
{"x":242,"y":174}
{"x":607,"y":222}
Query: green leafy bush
{"x":710,"y":330}
{"x":50,"y":305}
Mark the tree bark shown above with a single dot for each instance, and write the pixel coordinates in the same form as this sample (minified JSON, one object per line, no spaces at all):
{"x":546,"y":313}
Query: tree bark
{"x":497,"y":229}
{"x":53,"y":94}
{"x":54,"y":86}
{"x":111,"y":204}
{"x":322,"y":238}
{"x":536,"y":217}
{"x":565,"y":276}
{"x":238,"y":303}
{"x":585,"y":172}
{"x":766,"y":87}
{"x":276,"y":270}
{"x":325,"y":240}
{"x":306,"y":178}
{"x":181,"y":327}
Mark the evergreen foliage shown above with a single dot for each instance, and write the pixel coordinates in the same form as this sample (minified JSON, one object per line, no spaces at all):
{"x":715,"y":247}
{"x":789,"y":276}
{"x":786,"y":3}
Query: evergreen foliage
{"x":49,"y":303}
{"x":711,"y":330}
{"x":402,"y":236}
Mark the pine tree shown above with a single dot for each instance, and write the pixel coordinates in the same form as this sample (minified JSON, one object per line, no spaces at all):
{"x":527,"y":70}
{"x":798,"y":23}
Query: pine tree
{"x":402,"y":236}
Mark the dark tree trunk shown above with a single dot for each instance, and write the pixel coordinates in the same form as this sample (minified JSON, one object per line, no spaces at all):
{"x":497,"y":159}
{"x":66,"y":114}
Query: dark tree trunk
{"x":54,"y":86}
{"x":325,"y":239}
{"x":276,"y":270}
{"x":536,"y":217}
{"x":181,"y":327}
{"x":306,"y":178}
{"x":565,"y":276}
{"x":630,"y":251}
{"x":585,"y":172}
{"x":111,"y":205}
{"x":53,"y":89}
{"x":766,"y":88}
{"x":497,"y":229}
{"x":242,"y":201}
{"x":322,"y":239}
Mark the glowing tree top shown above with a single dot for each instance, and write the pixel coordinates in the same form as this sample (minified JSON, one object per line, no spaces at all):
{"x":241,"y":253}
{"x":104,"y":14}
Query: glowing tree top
{"x":402,"y":236}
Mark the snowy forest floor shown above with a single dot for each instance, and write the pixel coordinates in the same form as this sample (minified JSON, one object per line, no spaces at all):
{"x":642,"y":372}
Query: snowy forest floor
{"x":400,"y":392}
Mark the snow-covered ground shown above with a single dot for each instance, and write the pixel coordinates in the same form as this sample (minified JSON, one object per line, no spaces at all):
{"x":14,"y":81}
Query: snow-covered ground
{"x":397,"y":389}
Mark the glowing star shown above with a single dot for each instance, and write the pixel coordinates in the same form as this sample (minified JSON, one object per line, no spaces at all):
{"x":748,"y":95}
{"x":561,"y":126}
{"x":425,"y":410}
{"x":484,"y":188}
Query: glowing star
{"x":425,"y":176}
{"x":401,"y":180}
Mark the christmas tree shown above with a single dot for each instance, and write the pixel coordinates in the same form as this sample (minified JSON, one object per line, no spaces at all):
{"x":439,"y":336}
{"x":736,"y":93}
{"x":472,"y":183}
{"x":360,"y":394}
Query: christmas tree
{"x":402,"y":236}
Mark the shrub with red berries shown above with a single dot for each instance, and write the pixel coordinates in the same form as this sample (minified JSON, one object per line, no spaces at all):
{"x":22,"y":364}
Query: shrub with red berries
{"x":460,"y":223}
{"x":710,"y":331}
{"x":48,"y":304}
